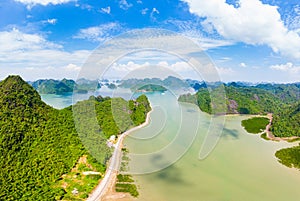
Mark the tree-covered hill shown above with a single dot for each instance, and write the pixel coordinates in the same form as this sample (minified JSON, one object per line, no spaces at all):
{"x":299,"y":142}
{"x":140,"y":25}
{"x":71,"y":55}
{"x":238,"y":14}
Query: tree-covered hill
{"x":152,"y":88}
{"x":54,"y":86}
{"x":289,"y":93}
{"x":278,"y":99}
{"x":50,"y":86}
{"x":286,"y":122}
{"x":169,"y":82}
{"x":238,"y":100}
{"x":38,"y":144}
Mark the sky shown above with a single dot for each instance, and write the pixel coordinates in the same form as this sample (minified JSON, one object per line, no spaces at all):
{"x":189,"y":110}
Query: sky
{"x":246,"y":40}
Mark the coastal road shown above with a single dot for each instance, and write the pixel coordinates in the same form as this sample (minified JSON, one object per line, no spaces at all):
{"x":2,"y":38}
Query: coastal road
{"x":111,"y":171}
{"x":114,"y":164}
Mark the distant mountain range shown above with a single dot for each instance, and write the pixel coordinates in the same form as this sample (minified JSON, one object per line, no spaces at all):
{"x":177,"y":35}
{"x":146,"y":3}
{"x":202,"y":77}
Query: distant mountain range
{"x":50,"y":86}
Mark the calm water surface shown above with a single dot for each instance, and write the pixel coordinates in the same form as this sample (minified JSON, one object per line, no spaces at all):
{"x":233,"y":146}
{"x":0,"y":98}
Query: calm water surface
{"x":241,"y":167}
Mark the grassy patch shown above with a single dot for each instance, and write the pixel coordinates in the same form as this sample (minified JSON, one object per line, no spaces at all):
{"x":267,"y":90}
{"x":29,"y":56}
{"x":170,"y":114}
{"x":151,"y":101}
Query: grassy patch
{"x":289,"y":157}
{"x":125,"y":182}
{"x":129,"y":188}
{"x":255,"y":125}
{"x":124,"y":178}
{"x":264,"y":136}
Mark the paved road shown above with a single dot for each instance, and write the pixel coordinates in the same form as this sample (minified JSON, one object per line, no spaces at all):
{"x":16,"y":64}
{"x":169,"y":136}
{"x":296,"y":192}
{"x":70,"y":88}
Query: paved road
{"x":114,"y":164}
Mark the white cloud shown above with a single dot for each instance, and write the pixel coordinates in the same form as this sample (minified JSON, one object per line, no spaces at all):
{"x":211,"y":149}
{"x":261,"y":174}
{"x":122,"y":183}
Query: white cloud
{"x":51,"y":21}
{"x":33,"y":57}
{"x":288,"y":67}
{"x":98,"y":33}
{"x":160,"y":69}
{"x":154,"y":10}
{"x":153,"y":13}
{"x":188,"y":29}
{"x":86,"y":7}
{"x":106,"y":10}
{"x":72,"y":67}
{"x":130,"y":66}
{"x":208,"y":43}
{"x":124,"y":4}
{"x":16,"y":40}
{"x":225,"y":71}
{"x":144,"y":11}
{"x":31,"y":3}
{"x":243,"y":65}
{"x":252,"y":22}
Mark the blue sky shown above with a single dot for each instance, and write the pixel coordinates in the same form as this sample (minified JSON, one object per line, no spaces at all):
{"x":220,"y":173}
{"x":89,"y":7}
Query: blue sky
{"x":248,"y":40}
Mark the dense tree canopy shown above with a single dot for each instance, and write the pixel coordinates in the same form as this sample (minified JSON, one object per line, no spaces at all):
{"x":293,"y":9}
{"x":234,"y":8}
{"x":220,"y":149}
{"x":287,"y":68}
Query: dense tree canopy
{"x":278,"y":99}
{"x":38,"y":143}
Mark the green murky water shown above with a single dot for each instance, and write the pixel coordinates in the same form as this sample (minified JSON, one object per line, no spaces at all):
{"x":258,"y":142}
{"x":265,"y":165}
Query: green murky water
{"x":241,"y":167}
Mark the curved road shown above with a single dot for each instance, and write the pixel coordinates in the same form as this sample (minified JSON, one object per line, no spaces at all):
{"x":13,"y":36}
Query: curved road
{"x":114,"y":164}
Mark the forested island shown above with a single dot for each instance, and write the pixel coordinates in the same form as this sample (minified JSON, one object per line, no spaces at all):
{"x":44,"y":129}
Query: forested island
{"x":42,"y":155}
{"x":51,"y":86}
{"x":152,"y":88}
{"x":282,"y":100}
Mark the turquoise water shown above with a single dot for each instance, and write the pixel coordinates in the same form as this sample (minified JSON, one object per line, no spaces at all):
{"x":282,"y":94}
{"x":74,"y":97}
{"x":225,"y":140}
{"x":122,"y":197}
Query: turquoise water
{"x":241,"y":167}
{"x":67,"y":99}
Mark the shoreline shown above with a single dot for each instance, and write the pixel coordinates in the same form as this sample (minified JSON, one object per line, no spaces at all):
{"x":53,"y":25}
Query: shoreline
{"x":106,"y":191}
{"x":272,"y":137}
{"x":269,"y":134}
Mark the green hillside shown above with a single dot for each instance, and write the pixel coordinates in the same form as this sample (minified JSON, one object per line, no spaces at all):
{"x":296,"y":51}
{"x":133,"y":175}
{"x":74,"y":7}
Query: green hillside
{"x":39,"y":144}
{"x":54,"y":86}
{"x":239,"y":100}
{"x":286,"y":123}
{"x":152,"y":88}
{"x":50,"y":86}
{"x":261,"y":99}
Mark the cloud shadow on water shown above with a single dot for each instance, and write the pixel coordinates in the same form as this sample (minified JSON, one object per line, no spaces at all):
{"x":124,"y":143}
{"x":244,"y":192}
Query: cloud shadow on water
{"x":230,"y":133}
{"x":171,"y":174}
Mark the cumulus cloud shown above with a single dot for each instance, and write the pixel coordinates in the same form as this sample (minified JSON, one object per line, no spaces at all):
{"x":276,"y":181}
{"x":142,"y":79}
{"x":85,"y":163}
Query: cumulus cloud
{"x":31,"y":3}
{"x":32,"y":56}
{"x":251,"y":22}
{"x":288,"y":67}
{"x":98,"y":33}
{"x":16,"y":40}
